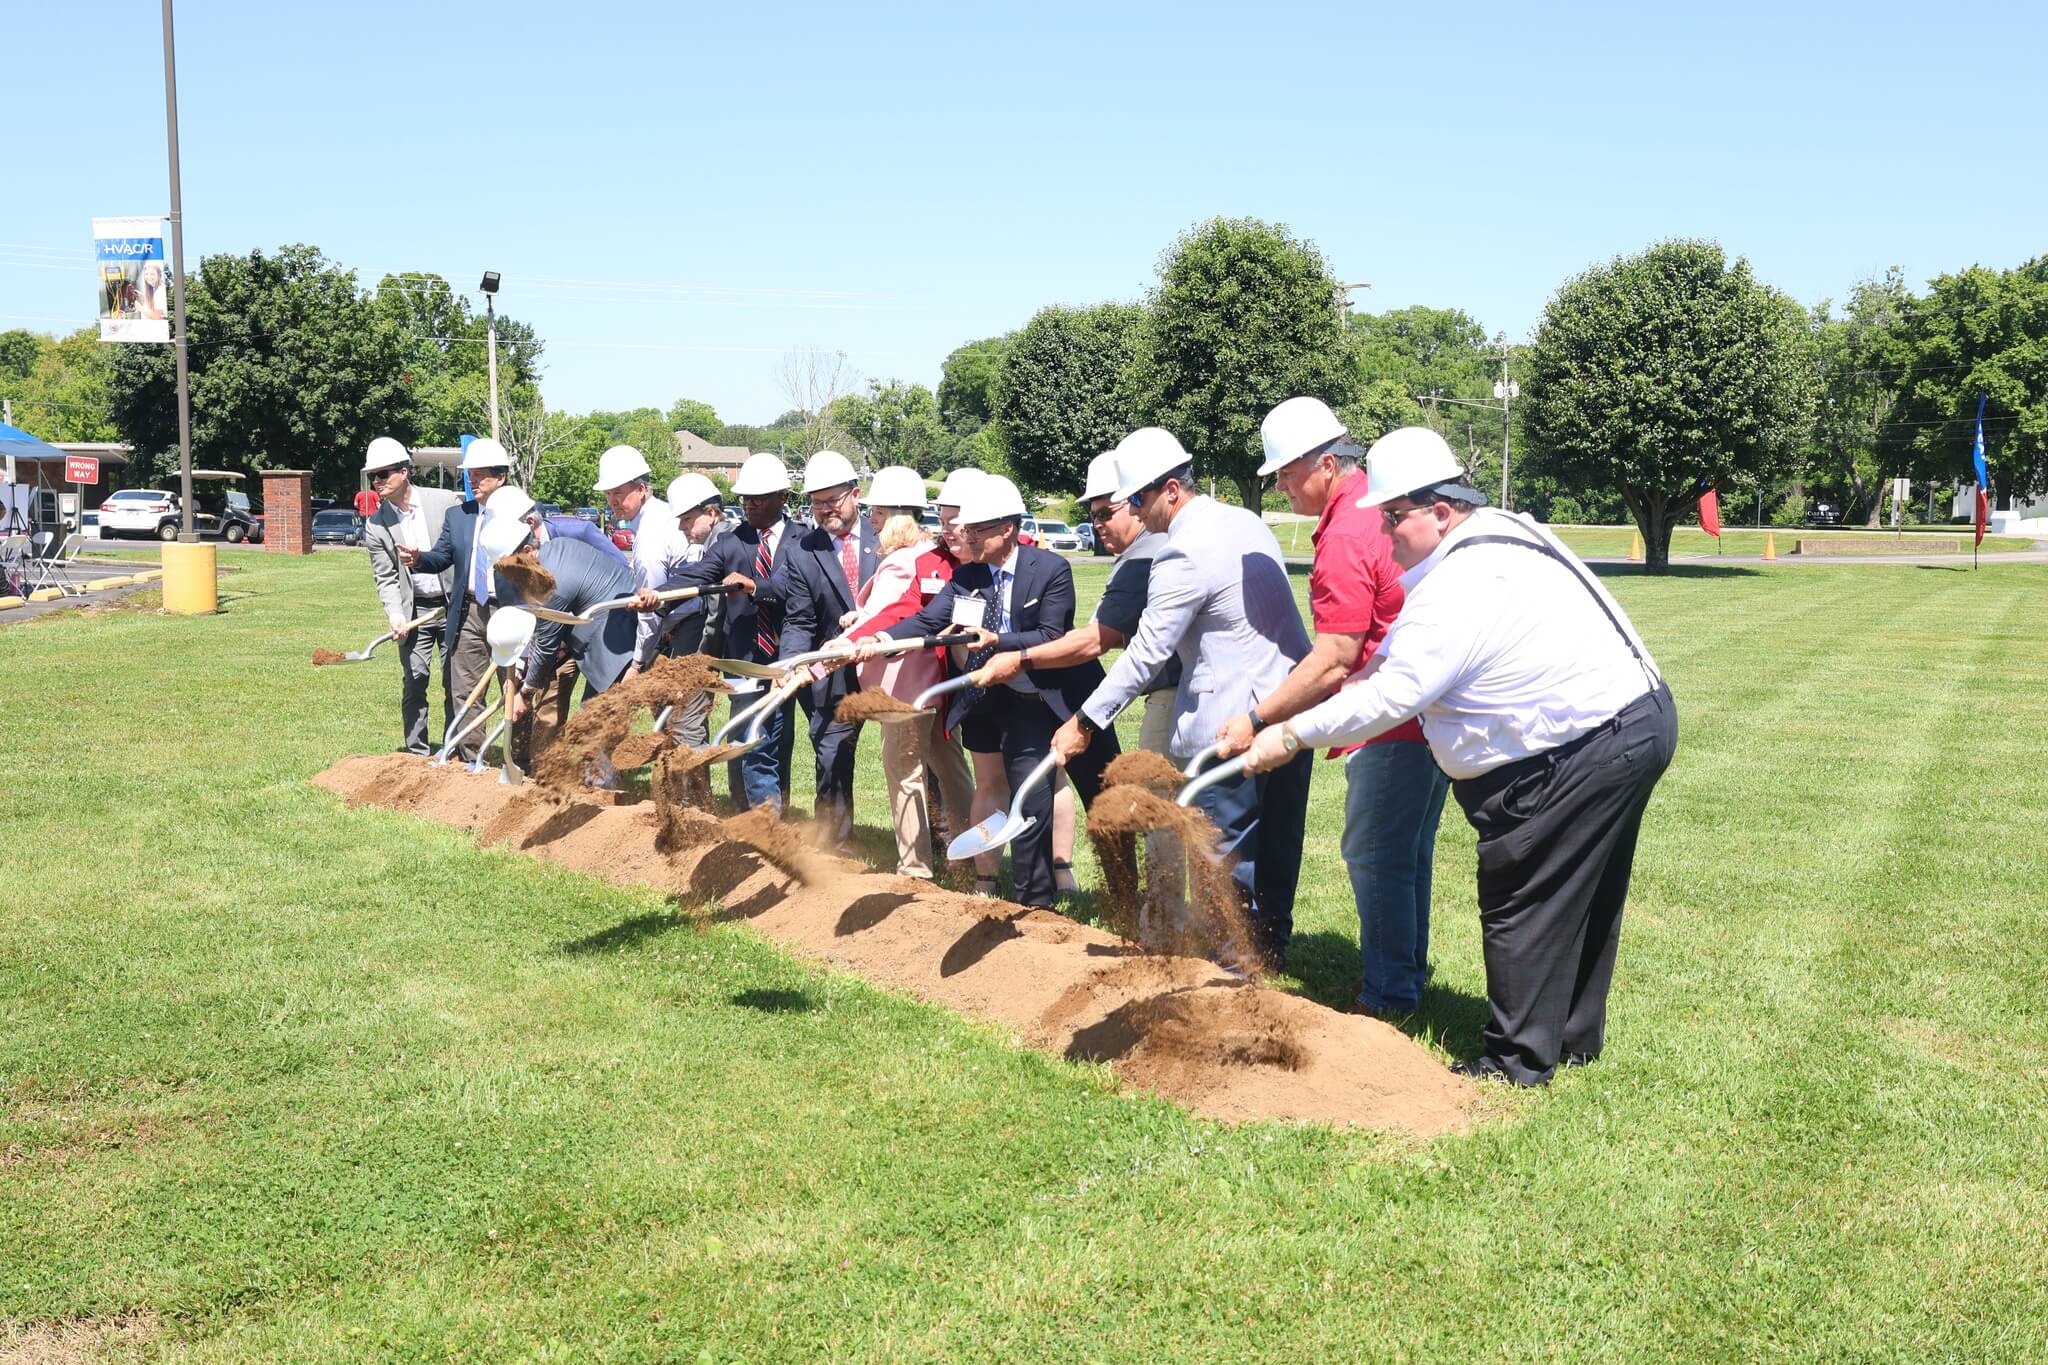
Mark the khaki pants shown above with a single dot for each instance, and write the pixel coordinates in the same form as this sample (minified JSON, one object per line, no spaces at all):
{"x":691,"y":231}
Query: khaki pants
{"x":1165,"y":903}
{"x":468,"y":661}
{"x":905,"y":749}
{"x":948,"y":764}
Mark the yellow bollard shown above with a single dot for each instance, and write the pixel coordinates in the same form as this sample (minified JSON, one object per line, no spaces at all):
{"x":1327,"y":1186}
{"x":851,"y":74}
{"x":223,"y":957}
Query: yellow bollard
{"x":1770,"y":545}
{"x":1635,"y":547}
{"x":191,"y":579}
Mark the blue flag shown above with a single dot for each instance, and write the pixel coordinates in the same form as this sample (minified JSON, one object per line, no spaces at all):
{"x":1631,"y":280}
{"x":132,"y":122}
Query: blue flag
{"x":1977,"y":453}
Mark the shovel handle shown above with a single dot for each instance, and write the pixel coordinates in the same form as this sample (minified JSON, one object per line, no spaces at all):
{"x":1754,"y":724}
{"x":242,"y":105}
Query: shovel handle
{"x":1031,"y":782}
{"x":940,"y":689}
{"x":457,"y":735}
{"x":1203,"y":756}
{"x":428,"y":619}
{"x":1222,"y":772}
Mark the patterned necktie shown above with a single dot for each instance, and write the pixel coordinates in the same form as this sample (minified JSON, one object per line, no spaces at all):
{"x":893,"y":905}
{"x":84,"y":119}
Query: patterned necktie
{"x":765,"y":639}
{"x":849,"y":559}
{"x":480,"y":570}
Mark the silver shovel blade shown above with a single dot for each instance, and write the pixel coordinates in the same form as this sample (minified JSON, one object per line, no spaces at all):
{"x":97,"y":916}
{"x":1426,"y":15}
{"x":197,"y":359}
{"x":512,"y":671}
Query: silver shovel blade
{"x":746,"y":668}
{"x":991,"y":834}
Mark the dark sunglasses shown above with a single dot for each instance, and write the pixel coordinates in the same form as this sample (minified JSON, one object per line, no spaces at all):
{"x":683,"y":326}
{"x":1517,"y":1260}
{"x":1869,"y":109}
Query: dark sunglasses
{"x":379,"y":475}
{"x":1102,"y":514}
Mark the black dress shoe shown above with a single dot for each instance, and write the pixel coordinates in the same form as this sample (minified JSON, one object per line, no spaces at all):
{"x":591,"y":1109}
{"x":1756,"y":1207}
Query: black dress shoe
{"x":1579,"y":1058}
{"x":1479,"y":1069}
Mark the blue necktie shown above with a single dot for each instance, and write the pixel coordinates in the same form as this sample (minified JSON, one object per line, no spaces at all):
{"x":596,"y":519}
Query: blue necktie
{"x":480,"y":573}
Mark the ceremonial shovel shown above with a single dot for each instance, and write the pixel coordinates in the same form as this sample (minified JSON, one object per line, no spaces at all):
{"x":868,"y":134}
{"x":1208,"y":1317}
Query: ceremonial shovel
{"x":1003,"y":826}
{"x":597,"y":608}
{"x":357,"y":656}
{"x":456,"y":729}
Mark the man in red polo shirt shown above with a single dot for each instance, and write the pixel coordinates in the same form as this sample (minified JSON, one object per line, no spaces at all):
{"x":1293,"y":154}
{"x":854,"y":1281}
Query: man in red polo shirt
{"x":1394,"y":792}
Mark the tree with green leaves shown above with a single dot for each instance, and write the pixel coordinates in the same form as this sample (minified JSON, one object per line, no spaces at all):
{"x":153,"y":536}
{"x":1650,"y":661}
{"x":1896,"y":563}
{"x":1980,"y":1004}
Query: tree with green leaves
{"x":696,"y":417}
{"x":1980,"y":331}
{"x":896,"y":423}
{"x":1857,"y":361}
{"x":291,"y":365}
{"x":967,"y":382}
{"x":1664,"y":374}
{"x":448,"y":357}
{"x":1066,"y":391}
{"x":60,"y":388}
{"x":1245,"y":315}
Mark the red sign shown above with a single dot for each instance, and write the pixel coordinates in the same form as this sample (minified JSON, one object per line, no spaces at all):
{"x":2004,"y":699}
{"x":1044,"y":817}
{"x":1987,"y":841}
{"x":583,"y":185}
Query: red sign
{"x":81,"y":469}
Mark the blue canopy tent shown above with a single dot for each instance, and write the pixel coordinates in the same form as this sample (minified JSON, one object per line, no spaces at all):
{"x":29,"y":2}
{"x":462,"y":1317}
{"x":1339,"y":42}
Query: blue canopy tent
{"x":18,"y":511}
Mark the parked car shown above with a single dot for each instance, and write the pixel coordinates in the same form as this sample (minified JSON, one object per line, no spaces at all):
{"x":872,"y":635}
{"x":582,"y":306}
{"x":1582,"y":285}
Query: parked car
{"x":139,"y":512}
{"x":337,"y":526}
{"x":547,"y":509}
{"x":1057,"y":535}
{"x":593,"y":515}
{"x":1085,"y":533}
{"x":1824,"y":512}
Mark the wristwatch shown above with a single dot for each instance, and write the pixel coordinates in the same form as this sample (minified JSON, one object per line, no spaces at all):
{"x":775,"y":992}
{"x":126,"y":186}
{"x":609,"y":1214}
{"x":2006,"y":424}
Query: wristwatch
{"x":1257,"y":723}
{"x":1289,"y":741}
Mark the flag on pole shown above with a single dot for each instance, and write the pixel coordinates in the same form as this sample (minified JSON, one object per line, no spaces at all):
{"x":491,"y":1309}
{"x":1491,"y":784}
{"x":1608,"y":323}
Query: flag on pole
{"x":1710,"y":513}
{"x":1983,"y":475}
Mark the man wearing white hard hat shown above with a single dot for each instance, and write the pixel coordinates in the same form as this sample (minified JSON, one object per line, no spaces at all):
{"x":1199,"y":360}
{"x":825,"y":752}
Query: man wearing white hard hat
{"x":1394,"y":792}
{"x":1540,"y":700}
{"x":821,"y":583}
{"x":758,"y":548}
{"x":1114,"y":623}
{"x":512,"y":500}
{"x":584,"y":576}
{"x":681,"y":558}
{"x":472,"y":587}
{"x":409,"y":517}
{"x":1015,"y":596}
{"x":1220,"y":599}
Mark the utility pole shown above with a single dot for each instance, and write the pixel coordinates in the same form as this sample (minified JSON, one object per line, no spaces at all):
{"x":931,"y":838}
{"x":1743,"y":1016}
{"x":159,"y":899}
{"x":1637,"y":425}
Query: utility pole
{"x":1507,"y":390}
{"x":185,"y":533}
{"x":1344,"y":303}
{"x":490,"y":288}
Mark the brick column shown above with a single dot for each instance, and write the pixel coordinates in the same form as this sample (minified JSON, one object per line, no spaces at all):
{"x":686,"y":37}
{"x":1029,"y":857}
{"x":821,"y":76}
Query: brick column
{"x":288,"y":511}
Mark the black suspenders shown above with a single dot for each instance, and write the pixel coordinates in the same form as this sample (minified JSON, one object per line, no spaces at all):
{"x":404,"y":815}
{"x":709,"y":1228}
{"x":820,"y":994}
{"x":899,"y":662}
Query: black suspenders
{"x":1544,"y":548}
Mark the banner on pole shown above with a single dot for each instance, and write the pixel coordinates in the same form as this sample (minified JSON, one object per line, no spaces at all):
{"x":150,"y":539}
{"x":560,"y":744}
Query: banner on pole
{"x":135,"y":284}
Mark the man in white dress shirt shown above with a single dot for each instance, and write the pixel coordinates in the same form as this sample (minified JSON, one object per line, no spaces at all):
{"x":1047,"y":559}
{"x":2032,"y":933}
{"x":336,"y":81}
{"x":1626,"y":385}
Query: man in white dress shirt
{"x":1540,"y":702}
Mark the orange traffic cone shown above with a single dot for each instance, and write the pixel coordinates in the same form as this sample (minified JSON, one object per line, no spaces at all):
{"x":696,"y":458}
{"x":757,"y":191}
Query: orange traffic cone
{"x":1770,"y":545}
{"x":1635,"y":547}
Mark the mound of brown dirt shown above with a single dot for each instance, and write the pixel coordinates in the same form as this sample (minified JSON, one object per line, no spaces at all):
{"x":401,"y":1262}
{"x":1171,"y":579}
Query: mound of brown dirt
{"x":1217,"y":920}
{"x":867,"y":705}
{"x":524,"y":572}
{"x":1143,"y":768}
{"x":324,"y":657}
{"x":638,"y":750}
{"x":602,"y":722}
{"x":1174,"y":1025}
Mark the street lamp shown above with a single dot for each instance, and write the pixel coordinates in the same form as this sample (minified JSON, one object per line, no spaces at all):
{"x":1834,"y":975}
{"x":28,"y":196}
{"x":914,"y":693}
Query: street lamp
{"x":490,"y":288}
{"x":1507,"y":391}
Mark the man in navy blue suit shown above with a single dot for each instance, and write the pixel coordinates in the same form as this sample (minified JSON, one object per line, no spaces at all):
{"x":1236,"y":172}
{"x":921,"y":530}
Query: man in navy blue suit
{"x":472,"y":587}
{"x":819,"y":584}
{"x":1017,"y":597}
{"x":760,"y":549}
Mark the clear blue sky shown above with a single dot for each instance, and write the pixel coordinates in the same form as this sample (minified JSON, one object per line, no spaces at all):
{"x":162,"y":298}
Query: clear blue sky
{"x":723,"y":183}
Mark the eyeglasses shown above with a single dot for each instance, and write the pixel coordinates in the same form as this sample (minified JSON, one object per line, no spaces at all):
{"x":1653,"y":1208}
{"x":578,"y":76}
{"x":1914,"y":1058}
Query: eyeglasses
{"x":821,"y":501}
{"x":1101,"y":515}
{"x":379,"y":475}
{"x":1392,"y":515}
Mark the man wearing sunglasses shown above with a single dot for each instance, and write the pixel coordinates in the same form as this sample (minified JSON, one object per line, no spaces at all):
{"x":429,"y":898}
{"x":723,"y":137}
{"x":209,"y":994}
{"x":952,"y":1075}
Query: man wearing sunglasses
{"x":409,"y":517}
{"x":1219,"y":599}
{"x":1553,"y":722}
{"x":1394,"y":792}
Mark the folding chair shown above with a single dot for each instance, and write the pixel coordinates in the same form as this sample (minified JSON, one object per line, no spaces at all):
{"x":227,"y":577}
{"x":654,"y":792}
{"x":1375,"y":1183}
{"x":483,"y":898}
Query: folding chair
{"x":50,"y":568}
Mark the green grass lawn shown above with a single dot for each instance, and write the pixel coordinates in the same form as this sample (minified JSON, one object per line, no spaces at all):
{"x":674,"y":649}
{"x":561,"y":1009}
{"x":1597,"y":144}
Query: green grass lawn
{"x":283,"y":1080}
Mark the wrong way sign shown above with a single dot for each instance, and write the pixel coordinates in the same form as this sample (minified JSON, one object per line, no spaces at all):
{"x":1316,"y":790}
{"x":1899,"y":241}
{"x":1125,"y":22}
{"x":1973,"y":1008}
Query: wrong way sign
{"x":81,"y":469}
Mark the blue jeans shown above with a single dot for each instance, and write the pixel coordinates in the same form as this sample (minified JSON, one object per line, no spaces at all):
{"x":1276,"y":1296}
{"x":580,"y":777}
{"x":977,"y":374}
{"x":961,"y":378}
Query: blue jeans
{"x":760,"y":776}
{"x":1394,"y":796}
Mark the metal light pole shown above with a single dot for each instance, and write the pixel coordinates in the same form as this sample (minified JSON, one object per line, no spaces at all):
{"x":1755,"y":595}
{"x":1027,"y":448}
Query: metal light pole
{"x":490,"y":288}
{"x":185,"y":532}
{"x":1507,"y":391}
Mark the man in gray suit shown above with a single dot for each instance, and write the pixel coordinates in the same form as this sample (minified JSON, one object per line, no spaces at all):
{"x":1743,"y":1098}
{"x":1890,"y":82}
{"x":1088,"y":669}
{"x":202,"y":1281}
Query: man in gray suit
{"x":410,"y":517}
{"x":1219,"y":598}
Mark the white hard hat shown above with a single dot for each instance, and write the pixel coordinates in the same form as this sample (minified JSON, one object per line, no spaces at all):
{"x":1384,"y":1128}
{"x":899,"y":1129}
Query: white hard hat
{"x":896,"y":486}
{"x":1299,"y":426}
{"x":501,"y":536}
{"x":954,"y":490}
{"x":992,"y":498}
{"x":484,"y":453}
{"x":1104,"y":477}
{"x":762,"y":473}
{"x":617,"y":467}
{"x":828,"y":469}
{"x":1409,"y":459}
{"x":1146,"y":455}
{"x":688,"y":492}
{"x":384,"y":452}
{"x":509,"y":630}
{"x":509,"y":501}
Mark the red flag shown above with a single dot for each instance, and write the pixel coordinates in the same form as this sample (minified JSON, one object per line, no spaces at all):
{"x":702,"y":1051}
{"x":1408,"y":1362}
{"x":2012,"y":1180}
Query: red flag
{"x":1710,"y":513}
{"x":1983,"y":514}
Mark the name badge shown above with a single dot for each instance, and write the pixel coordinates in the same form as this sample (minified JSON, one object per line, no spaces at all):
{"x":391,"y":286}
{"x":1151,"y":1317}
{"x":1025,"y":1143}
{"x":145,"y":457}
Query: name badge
{"x":969,"y":612}
{"x":932,"y":585}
